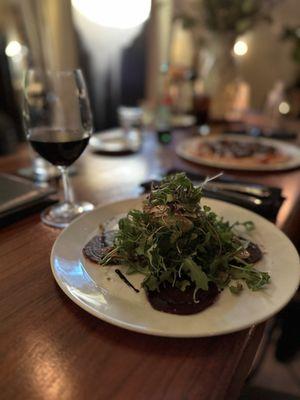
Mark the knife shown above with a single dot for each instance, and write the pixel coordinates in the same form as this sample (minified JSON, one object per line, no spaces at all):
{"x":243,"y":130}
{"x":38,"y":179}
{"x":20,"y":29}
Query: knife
{"x":258,"y":191}
{"x":233,"y":197}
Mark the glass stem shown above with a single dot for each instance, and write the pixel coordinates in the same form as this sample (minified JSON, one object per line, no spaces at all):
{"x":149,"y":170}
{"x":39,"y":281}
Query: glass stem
{"x":68,"y":191}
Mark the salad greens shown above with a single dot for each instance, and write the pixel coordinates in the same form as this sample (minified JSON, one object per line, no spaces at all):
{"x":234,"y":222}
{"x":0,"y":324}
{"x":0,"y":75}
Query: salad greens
{"x":175,"y":239}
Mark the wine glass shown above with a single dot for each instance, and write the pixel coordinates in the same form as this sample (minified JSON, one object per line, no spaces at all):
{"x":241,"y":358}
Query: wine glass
{"x":58,"y":124}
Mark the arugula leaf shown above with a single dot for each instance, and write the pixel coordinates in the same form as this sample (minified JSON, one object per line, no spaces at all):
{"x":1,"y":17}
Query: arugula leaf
{"x":196,"y":274}
{"x":254,"y":279}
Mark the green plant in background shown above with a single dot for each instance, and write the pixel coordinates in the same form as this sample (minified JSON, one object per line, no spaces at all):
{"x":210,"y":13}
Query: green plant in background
{"x":236,"y":16}
{"x":216,"y":25}
{"x":293,"y":35}
{"x":227,"y":16}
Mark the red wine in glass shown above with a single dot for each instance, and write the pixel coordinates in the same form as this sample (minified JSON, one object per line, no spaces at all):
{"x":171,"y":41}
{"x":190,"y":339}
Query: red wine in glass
{"x":58,"y":147}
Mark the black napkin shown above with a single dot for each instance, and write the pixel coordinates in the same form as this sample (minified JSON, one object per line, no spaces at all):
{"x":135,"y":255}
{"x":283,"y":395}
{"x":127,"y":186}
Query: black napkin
{"x":268,"y":207}
{"x":21,"y":212}
{"x":20,"y":197}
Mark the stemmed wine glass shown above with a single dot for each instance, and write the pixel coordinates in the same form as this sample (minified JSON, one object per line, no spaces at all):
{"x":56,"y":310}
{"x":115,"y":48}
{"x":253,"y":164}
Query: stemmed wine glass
{"x":58,"y":124}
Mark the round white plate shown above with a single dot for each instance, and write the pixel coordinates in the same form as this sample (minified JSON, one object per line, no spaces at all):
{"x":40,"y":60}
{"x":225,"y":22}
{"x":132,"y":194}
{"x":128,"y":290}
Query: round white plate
{"x":183,"y":121}
{"x":116,"y":141}
{"x":186,"y":147}
{"x":99,"y":290}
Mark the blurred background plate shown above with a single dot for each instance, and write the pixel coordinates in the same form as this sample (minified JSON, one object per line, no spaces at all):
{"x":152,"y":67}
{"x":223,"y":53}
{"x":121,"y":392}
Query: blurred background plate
{"x":183,"y":121}
{"x":116,"y":141}
{"x":186,"y":150}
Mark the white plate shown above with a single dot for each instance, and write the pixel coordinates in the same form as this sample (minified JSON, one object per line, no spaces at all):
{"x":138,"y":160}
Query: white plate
{"x":186,"y":147}
{"x":116,"y":141}
{"x":183,"y":121}
{"x":99,"y":290}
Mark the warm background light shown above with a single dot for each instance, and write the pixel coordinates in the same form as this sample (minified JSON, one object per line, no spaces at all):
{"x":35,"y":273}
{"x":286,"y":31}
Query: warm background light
{"x":13,"y":49}
{"x":122,"y":14}
{"x":284,"y":107}
{"x":240,"y":48}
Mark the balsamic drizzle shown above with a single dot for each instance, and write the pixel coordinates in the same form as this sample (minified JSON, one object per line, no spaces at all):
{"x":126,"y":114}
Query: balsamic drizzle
{"x":124,"y":279}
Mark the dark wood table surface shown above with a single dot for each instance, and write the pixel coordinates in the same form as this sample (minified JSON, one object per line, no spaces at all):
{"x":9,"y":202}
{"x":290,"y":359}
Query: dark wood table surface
{"x":52,"y":349}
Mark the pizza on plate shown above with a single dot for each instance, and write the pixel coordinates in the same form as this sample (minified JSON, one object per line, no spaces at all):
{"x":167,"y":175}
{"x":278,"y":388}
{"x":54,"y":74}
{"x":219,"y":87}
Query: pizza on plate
{"x":239,"y":152}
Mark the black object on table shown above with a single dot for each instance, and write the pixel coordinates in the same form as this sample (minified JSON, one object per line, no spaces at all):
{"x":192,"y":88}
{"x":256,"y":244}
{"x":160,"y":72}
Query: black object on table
{"x":20,"y":198}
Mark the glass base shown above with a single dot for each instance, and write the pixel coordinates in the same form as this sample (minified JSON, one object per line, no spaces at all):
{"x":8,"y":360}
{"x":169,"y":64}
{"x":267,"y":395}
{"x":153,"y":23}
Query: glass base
{"x":60,"y":215}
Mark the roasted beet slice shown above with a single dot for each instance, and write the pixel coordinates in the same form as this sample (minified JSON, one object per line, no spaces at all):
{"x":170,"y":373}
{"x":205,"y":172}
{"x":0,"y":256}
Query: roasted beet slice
{"x":255,"y":253}
{"x":95,"y":249}
{"x":172,"y":300}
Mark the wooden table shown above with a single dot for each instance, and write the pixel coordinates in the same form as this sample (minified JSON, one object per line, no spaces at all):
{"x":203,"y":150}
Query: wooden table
{"x":51,"y":349}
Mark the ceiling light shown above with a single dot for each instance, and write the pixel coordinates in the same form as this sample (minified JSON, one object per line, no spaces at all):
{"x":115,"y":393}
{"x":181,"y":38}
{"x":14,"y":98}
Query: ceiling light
{"x":121,"y":14}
